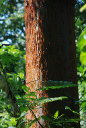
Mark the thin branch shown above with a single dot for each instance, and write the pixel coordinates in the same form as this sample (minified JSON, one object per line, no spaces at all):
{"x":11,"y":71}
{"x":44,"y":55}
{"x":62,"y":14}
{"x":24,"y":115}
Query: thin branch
{"x":35,"y":116}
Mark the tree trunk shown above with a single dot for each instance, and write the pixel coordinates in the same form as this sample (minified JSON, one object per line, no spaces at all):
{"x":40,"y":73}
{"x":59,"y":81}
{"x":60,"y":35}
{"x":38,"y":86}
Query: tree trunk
{"x":51,"y":54}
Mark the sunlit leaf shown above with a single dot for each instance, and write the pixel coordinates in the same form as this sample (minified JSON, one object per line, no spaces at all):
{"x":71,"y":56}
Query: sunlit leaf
{"x":82,"y":40}
{"x":83,"y":8}
{"x":83,"y":58}
{"x":13,"y":121}
{"x":47,"y":100}
{"x":56,"y":114}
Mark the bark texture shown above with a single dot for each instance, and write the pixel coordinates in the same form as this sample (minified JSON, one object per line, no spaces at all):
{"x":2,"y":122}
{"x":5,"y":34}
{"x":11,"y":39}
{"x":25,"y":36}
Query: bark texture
{"x":50,"y":53}
{"x":34,"y":53}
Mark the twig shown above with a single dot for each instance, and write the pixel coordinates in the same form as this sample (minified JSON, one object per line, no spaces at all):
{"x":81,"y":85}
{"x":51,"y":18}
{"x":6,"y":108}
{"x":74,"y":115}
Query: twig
{"x":35,"y":116}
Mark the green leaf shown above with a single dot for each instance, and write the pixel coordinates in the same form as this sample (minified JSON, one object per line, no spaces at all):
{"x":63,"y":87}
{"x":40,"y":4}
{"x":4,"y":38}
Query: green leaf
{"x":41,"y":101}
{"x":56,"y":85}
{"x":83,"y":8}
{"x":82,"y":40}
{"x":26,"y":89}
{"x":71,"y":110}
{"x":56,"y":114}
{"x":13,"y":121}
{"x":83,"y":58}
{"x":32,"y":94}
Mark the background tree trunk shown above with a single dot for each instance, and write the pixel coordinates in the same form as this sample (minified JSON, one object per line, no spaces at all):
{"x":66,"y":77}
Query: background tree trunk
{"x":50,"y":53}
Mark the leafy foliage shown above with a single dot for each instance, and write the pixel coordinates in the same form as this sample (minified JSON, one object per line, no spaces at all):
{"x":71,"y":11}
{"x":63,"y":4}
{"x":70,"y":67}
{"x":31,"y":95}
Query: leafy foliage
{"x":81,"y":55}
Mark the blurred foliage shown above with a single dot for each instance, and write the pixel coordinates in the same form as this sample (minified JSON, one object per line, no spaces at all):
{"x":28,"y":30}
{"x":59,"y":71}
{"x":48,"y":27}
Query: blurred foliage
{"x":13,"y":100}
{"x":12,"y":62}
{"x":12,"y":22}
{"x":81,"y":57}
{"x":12,"y":70}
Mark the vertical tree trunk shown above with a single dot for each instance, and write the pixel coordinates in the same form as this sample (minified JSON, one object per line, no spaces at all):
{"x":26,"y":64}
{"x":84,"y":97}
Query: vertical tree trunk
{"x":34,"y":52}
{"x":50,"y":52}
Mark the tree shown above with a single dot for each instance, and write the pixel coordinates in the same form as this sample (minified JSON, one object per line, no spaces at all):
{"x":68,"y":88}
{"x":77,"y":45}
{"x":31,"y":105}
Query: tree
{"x":51,"y":53}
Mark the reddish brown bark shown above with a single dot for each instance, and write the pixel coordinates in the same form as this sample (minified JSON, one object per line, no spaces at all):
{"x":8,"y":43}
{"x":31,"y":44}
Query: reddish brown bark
{"x":34,"y":52}
{"x":50,"y":52}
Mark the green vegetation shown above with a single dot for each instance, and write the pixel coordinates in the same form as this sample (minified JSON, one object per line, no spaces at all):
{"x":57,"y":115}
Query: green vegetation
{"x":13,"y":98}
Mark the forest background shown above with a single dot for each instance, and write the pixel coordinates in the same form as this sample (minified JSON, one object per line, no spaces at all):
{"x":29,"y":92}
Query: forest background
{"x":13,"y":103}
